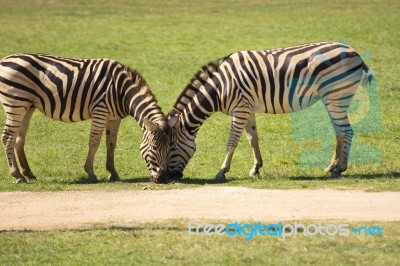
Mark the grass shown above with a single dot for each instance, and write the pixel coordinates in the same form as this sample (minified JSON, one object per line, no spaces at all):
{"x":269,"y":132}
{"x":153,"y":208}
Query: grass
{"x":161,"y":243}
{"x":168,"y":41}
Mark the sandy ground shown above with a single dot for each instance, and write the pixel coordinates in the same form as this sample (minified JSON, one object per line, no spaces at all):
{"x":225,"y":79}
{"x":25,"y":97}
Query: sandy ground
{"x":77,"y":209}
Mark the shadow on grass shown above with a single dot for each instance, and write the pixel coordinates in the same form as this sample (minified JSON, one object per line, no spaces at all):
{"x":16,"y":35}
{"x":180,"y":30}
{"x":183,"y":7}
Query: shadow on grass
{"x":84,"y":180}
{"x":203,"y":181}
{"x":142,"y":179}
{"x":193,"y":181}
{"x":139,"y":228}
{"x":211,"y":181}
{"x":184,"y":180}
{"x":134,"y":180}
{"x":375,"y":176}
{"x":350,"y":176}
{"x":309,"y":178}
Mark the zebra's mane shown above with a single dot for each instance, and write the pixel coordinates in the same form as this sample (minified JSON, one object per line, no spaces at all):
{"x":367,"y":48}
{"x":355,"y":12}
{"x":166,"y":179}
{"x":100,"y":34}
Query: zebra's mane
{"x":142,"y":84}
{"x":195,"y":83}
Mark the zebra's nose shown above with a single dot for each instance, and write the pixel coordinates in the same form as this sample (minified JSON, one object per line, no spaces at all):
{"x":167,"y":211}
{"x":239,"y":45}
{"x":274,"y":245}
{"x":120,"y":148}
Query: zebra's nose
{"x":162,"y":176}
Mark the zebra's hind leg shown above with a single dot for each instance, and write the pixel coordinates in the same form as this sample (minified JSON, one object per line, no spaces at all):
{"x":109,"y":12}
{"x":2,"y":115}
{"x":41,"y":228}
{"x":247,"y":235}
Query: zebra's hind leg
{"x":20,"y":143}
{"x":111,"y":141}
{"x":239,"y":122}
{"x":340,"y":155}
{"x":96,"y":130}
{"x":337,"y":109}
{"x":337,"y":90}
{"x":252,"y":137}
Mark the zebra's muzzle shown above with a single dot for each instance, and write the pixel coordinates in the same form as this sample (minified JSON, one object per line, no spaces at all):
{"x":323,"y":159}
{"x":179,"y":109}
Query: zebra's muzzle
{"x":162,"y":176}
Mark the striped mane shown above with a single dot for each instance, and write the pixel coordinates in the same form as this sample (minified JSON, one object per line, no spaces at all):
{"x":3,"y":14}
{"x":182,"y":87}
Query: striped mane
{"x":195,"y":83}
{"x":141,"y":82}
{"x":147,"y":97}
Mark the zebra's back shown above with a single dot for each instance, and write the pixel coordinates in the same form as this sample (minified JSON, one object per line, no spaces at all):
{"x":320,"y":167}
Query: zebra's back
{"x":290,"y":79}
{"x":62,"y":88}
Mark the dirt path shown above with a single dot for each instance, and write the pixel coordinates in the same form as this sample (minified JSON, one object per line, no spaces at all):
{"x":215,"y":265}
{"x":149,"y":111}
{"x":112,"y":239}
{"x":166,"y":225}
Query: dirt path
{"x":72,"y":209}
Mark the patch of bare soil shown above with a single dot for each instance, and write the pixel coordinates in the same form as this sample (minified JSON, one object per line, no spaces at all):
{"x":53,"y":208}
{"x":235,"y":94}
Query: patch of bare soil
{"x":77,"y":209}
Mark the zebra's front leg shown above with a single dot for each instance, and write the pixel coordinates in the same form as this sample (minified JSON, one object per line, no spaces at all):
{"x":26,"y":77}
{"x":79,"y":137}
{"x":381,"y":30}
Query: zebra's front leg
{"x":239,"y":122}
{"x":111,"y":142}
{"x":20,"y":143}
{"x":8,"y":137}
{"x":220,"y":177}
{"x":96,"y":131}
{"x":8,"y":143}
{"x":16,"y":117}
{"x":252,"y":137}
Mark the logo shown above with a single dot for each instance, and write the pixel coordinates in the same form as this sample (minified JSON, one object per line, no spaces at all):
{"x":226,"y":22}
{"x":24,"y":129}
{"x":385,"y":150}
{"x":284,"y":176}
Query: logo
{"x":281,"y":230}
{"x":313,"y":124}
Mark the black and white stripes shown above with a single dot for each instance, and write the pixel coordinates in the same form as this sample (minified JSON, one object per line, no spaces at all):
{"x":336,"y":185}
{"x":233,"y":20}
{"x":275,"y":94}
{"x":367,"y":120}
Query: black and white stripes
{"x":70,"y":90}
{"x":269,"y":81}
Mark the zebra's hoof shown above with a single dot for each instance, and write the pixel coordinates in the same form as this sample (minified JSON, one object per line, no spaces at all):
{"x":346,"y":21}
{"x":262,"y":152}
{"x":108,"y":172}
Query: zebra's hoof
{"x":30,"y":176}
{"x":113,"y":178}
{"x":92,"y":180}
{"x":220,"y":177}
{"x":254,"y":173}
{"x":330,"y":169}
{"x":20,"y":180}
{"x":335,"y":174}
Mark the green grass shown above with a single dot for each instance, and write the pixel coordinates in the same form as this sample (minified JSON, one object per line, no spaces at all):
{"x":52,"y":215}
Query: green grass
{"x":161,"y":243}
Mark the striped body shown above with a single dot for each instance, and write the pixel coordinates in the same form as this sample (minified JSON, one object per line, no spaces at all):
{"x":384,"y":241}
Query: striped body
{"x":71,"y":90}
{"x":295,"y":76}
{"x":269,"y":81}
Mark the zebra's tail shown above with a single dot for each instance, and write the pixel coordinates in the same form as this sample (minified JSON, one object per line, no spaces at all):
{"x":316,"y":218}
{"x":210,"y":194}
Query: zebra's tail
{"x":368,"y":76}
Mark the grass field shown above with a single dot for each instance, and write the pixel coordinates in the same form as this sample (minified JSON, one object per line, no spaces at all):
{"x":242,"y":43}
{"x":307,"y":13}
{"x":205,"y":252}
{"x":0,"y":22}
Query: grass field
{"x":159,"y":244}
{"x":168,"y":41}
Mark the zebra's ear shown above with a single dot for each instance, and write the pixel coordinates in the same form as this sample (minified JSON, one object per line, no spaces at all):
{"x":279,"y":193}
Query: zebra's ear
{"x":150,"y":126}
{"x":173,"y":117}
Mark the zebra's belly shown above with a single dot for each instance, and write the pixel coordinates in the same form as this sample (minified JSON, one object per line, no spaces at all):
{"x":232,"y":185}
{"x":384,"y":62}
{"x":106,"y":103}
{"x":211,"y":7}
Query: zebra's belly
{"x":294,"y":105}
{"x":66,"y":115}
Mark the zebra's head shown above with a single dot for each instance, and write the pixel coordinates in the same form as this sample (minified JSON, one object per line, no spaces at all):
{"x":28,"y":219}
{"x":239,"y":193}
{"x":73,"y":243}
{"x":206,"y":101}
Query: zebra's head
{"x":182,"y":145}
{"x":155,"y":149}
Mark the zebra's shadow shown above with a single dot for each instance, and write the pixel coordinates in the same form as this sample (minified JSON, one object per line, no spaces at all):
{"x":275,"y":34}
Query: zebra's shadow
{"x":134,"y":179}
{"x":201,"y":181}
{"x":349,"y":176}
{"x":211,"y":181}
{"x":193,"y":181}
{"x":84,"y":180}
{"x":394,"y":174}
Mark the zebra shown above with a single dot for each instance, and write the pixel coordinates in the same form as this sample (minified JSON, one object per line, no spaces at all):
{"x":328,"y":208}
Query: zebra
{"x":71,"y":90}
{"x":272,"y":81}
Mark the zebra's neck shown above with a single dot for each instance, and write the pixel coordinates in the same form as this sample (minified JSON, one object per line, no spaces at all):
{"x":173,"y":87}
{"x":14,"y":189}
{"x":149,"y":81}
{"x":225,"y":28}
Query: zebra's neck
{"x":139,"y":101}
{"x":144,"y":105}
{"x":200,"y":99}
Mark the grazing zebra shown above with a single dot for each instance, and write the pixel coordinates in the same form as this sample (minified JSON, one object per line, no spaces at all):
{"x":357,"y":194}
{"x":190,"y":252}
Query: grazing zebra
{"x":268,"y":81}
{"x":71,"y":90}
